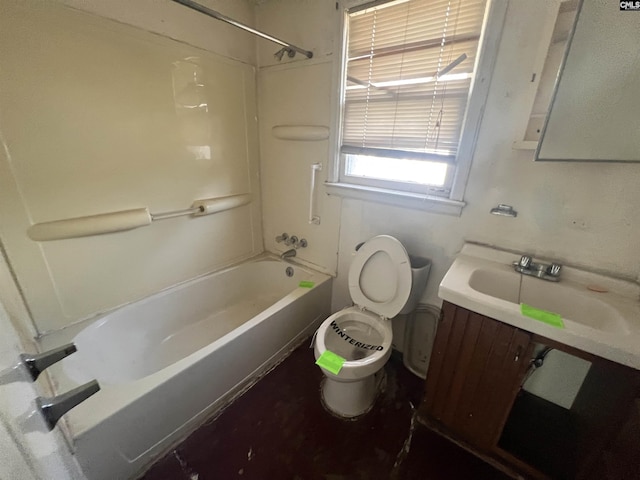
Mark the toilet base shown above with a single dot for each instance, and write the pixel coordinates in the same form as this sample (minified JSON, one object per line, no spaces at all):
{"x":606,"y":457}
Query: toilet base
{"x":350,"y":399}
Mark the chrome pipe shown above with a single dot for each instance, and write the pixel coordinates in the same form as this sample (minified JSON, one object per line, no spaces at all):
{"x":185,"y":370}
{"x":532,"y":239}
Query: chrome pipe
{"x":289,"y":48}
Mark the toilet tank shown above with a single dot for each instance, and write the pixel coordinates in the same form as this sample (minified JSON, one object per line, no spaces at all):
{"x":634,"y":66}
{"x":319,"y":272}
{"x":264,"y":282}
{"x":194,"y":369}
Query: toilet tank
{"x":420,"y":268}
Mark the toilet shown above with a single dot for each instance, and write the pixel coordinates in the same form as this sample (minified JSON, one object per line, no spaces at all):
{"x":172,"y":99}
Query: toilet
{"x":380,"y":284}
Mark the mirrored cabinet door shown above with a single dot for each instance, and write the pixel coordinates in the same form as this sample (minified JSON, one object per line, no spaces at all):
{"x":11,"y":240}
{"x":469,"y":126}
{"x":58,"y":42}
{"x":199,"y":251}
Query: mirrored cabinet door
{"x":594,"y":114}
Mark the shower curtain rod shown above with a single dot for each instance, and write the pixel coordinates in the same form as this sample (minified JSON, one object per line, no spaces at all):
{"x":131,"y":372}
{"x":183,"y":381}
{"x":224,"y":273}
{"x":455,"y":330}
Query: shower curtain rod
{"x":289,"y":48}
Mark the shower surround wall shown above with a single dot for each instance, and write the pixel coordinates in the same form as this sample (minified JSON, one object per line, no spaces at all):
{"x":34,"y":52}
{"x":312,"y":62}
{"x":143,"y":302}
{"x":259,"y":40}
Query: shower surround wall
{"x":297,"y":92}
{"x":95,"y":117}
{"x":583,"y":214}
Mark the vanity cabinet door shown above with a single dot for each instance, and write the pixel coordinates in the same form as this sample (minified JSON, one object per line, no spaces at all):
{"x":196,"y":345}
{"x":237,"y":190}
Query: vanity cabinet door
{"x":476,"y":370}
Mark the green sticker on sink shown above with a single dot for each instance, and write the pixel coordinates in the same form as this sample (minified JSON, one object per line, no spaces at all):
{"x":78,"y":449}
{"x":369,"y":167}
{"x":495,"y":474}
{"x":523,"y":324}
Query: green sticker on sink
{"x":549,"y":318}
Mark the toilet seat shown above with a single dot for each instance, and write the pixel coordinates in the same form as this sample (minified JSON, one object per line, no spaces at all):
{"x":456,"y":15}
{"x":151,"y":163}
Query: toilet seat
{"x":380,"y":276}
{"x":354,"y":368}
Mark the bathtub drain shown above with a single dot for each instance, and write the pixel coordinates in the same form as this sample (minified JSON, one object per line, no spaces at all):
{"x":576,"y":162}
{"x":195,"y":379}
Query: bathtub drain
{"x":289,"y":271}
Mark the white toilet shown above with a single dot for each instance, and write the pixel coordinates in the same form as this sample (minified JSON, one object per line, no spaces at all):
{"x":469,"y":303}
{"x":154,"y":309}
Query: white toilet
{"x":380,"y":283}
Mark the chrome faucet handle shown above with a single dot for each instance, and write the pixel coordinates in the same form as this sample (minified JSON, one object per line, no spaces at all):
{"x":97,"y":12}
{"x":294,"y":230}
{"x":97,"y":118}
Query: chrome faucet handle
{"x":35,"y":364}
{"x":282,"y":238}
{"x":525,"y":261}
{"x":55,"y":407}
{"x":303,"y":243}
{"x":554,"y":269}
{"x":292,"y":240}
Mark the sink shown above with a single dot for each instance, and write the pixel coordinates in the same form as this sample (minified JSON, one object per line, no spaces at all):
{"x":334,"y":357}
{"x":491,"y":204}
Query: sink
{"x":572,"y":301}
{"x":497,"y":283}
{"x":607,"y":324}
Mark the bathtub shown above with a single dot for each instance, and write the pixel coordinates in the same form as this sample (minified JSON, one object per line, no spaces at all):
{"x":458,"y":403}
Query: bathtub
{"x":168,"y":362}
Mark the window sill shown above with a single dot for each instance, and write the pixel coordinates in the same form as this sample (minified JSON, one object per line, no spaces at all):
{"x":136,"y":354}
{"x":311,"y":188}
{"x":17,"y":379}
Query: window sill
{"x":429,"y":203}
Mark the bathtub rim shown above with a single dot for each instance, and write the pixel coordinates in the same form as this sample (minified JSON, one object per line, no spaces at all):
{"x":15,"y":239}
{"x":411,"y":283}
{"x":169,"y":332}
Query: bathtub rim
{"x":81,"y":323}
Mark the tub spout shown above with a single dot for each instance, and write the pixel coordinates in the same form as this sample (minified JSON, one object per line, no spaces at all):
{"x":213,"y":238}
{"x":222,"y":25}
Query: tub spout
{"x":289,"y":253}
{"x":55,"y":407}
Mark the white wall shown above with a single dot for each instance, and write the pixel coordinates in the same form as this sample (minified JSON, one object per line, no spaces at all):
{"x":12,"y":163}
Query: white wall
{"x":579,"y":214}
{"x":180,"y":23}
{"x":91,"y":123}
{"x":582,"y":214}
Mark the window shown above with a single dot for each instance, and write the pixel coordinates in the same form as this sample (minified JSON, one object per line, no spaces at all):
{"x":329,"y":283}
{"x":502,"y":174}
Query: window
{"x":408,"y":117}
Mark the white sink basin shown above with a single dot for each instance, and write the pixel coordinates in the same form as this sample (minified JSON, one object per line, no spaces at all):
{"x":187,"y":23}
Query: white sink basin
{"x":607,"y":324}
{"x":573,"y":302}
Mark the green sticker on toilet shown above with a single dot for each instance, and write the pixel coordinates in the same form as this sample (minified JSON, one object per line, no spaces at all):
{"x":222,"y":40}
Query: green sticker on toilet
{"x":331,"y":362}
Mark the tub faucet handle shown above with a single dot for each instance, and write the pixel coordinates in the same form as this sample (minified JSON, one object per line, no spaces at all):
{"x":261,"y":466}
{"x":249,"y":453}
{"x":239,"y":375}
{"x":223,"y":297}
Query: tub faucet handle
{"x":35,"y":364}
{"x":54,"y":408}
{"x":292,"y":240}
{"x":282,"y":238}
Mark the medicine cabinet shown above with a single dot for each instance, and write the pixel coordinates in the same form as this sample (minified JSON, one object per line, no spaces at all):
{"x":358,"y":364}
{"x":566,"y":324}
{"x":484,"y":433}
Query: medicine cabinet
{"x":586,"y":104}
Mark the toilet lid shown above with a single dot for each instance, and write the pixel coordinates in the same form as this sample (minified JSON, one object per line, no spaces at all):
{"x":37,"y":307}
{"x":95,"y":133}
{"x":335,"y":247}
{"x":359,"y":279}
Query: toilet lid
{"x":380,"y":276}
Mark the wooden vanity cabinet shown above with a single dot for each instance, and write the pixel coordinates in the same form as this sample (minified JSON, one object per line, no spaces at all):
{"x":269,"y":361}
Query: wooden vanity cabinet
{"x":473,"y":396}
{"x":477,"y":367}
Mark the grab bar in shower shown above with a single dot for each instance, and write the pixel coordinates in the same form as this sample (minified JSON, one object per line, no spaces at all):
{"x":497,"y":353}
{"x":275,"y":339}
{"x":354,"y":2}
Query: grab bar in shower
{"x":313,"y":218}
{"x":127,"y":219}
{"x":289,"y":48}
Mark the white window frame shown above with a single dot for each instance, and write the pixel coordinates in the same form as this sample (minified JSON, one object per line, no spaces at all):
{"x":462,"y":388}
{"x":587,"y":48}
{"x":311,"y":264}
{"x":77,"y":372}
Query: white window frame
{"x":375,"y":191}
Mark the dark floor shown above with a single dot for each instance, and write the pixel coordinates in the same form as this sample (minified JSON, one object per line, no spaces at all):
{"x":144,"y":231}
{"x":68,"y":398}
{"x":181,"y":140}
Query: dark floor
{"x":279,"y":430}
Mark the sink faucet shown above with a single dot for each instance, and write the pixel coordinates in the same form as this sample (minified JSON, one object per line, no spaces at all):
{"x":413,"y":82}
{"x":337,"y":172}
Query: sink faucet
{"x":526,"y":266}
{"x":289,"y":253}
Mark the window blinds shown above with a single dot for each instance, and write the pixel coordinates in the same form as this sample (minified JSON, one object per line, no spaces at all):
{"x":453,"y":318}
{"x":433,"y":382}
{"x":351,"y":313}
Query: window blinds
{"x":409,"y":70}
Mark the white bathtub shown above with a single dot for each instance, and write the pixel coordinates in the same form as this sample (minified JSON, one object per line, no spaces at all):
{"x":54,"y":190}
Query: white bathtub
{"x":169,"y":361}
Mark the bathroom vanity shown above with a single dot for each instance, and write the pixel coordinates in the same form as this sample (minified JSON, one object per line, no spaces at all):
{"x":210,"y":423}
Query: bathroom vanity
{"x":484,"y":351}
